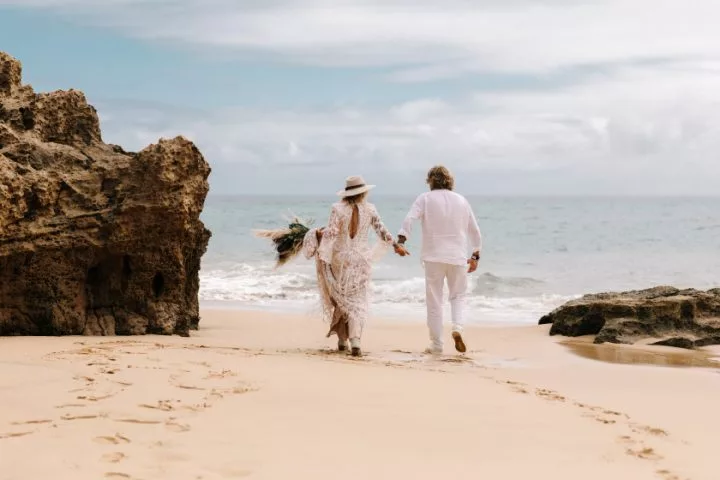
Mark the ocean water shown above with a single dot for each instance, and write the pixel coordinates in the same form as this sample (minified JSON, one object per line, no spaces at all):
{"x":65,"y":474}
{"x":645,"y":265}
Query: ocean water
{"x":538,"y":253}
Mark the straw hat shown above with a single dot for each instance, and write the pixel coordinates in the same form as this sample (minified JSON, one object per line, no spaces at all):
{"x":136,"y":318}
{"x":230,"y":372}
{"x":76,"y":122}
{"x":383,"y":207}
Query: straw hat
{"x":355,"y":185}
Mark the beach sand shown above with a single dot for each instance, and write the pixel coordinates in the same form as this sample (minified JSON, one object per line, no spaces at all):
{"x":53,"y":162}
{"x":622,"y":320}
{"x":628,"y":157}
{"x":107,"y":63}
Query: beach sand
{"x":261,"y":395}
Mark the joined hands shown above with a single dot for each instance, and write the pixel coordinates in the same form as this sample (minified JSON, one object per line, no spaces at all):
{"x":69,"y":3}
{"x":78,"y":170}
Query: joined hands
{"x":400,"y":249}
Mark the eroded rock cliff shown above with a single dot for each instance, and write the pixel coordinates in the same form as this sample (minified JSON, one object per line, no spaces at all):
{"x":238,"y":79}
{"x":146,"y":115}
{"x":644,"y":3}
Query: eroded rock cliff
{"x":93,"y":240}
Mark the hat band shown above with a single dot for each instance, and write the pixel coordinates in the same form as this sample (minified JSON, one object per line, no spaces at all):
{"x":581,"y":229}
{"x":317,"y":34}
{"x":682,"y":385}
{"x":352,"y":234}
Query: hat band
{"x":354,"y":187}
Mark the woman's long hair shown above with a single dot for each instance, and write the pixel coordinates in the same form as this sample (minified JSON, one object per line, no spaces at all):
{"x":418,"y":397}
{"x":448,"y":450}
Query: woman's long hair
{"x":354,"y":201}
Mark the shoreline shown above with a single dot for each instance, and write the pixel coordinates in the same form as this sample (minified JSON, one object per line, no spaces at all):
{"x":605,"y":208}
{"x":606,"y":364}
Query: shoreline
{"x":262,"y":395}
{"x":406,"y":314}
{"x":579,"y":346}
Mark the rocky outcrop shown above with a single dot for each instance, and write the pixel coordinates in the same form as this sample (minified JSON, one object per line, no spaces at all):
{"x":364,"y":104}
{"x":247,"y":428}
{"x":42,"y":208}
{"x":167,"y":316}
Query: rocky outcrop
{"x":660,"y":316}
{"x":93,"y":240}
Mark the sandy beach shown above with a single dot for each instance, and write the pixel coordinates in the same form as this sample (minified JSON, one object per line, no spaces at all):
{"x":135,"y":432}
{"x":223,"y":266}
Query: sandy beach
{"x":262,"y":395}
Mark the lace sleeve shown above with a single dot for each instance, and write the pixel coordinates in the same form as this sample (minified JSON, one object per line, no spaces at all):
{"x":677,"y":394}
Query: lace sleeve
{"x":379,"y":227}
{"x":330,"y":234}
{"x":310,"y":243}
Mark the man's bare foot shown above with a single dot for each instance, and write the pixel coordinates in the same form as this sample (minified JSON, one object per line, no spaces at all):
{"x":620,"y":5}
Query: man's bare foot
{"x":459,"y":344}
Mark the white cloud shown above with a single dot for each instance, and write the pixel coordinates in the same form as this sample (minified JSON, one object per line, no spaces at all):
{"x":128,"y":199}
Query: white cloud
{"x":432,"y":38}
{"x":637,"y":112}
{"x":631,"y":133}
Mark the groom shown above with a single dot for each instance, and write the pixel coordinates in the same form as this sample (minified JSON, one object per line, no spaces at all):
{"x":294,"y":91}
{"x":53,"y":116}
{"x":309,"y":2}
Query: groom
{"x":449,"y":232}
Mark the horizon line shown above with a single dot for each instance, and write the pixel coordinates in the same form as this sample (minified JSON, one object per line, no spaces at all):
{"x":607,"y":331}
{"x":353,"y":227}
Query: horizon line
{"x":489,"y":195}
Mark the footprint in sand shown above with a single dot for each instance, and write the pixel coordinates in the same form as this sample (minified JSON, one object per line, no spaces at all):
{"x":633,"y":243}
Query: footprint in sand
{"x":98,"y":364}
{"x":190,"y":387}
{"x":164,"y":405}
{"x":202,"y":364}
{"x":601,"y":410}
{"x":199,"y":407}
{"x":116,"y":440}
{"x":658,"y":432}
{"x":244,"y":389}
{"x":177,"y":427}
{"x":91,"y":398}
{"x":79,"y":417}
{"x":549,"y":395}
{"x":459,"y":359}
{"x":223,"y":374}
{"x":610,"y":412}
{"x":214,"y":395}
{"x":606,"y":421}
{"x":32,"y":422}
{"x":115,"y":457}
{"x":600,"y":418}
{"x":517,"y":387}
{"x":70,"y":405}
{"x":14,"y":435}
{"x":667,"y":475}
{"x":117,"y":475}
{"x":138,"y":421}
{"x":646,"y":453}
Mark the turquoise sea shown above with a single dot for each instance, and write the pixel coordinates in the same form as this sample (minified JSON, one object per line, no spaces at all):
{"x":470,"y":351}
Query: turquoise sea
{"x":538,"y":253}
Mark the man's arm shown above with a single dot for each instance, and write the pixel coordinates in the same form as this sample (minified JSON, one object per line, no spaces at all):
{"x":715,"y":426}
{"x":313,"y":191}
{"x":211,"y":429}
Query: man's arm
{"x":474,"y":239}
{"x":416,"y":212}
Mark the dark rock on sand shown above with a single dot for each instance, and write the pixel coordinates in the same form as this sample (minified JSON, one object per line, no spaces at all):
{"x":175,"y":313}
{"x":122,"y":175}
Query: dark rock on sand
{"x":679,"y":318}
{"x":93,"y":240}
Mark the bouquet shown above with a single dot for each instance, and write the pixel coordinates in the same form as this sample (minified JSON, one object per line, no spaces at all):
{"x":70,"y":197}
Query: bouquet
{"x":288,"y":241}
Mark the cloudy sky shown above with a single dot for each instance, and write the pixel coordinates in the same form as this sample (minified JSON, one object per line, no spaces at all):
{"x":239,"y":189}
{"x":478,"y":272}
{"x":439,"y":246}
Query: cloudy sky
{"x":290,"y":96}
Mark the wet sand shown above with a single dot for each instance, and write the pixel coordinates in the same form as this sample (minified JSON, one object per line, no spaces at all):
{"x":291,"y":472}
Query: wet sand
{"x":643,"y":355}
{"x":264,"y":396}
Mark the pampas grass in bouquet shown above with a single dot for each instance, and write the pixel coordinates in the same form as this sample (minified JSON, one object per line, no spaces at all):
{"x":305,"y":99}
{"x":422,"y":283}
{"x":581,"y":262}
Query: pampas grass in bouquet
{"x":287,"y":241}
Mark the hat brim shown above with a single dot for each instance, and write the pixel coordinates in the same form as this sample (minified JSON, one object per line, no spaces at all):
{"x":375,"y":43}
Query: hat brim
{"x":355,"y":191}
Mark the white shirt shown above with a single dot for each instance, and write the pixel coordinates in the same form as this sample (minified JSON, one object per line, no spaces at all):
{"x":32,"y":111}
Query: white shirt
{"x":450,"y":232}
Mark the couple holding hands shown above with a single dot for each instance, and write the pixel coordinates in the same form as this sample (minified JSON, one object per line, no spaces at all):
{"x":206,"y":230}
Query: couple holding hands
{"x":451,"y":245}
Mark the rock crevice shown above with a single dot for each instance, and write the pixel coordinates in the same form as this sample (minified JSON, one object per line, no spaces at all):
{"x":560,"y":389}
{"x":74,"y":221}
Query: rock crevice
{"x":93,"y":240}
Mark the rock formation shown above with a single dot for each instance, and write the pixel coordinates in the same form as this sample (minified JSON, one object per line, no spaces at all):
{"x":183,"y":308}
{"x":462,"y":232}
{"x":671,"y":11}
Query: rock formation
{"x":660,"y":316}
{"x":93,"y":240}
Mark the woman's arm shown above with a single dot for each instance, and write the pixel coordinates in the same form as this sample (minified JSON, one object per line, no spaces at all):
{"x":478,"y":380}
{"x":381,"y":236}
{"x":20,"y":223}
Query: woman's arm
{"x":382,"y":232}
{"x":328,"y":235}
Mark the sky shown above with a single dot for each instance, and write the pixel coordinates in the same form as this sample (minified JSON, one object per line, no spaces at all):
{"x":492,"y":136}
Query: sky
{"x":516,"y":97}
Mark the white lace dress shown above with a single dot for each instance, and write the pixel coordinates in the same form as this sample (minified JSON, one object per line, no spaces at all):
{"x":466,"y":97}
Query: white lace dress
{"x":344,"y":266}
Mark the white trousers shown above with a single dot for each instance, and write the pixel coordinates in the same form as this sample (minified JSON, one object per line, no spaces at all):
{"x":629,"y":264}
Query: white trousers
{"x":457,"y":279}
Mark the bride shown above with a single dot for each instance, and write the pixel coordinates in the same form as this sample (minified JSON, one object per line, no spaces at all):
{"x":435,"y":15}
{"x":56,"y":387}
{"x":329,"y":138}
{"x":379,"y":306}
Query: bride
{"x":343,"y":259}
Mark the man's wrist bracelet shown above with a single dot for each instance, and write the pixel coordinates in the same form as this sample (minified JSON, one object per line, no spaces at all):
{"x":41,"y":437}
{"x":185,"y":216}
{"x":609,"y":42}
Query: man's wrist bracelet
{"x":475,"y":257}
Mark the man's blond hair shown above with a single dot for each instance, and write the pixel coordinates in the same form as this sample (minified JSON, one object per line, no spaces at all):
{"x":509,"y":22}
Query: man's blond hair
{"x":440,"y":178}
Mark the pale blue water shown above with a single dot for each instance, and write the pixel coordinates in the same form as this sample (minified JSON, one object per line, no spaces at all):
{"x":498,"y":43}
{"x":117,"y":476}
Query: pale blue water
{"x":538,"y":252}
